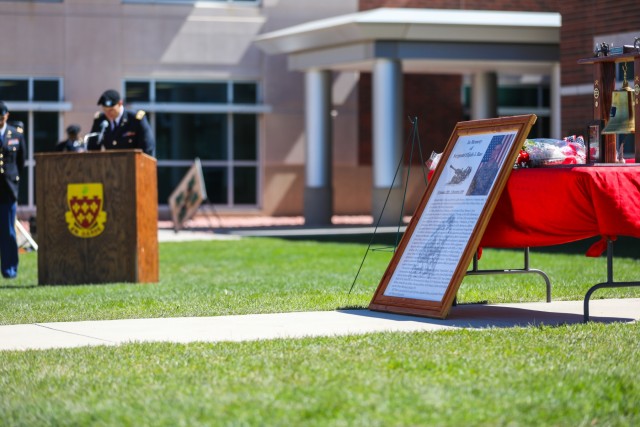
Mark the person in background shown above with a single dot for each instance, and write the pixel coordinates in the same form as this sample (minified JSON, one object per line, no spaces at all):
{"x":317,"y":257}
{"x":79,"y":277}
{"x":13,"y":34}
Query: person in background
{"x":116,"y":128}
{"x":73,"y":142}
{"x":12,"y":157}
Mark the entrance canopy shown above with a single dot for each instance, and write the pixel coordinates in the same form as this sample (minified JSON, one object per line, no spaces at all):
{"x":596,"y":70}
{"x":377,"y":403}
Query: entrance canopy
{"x":389,"y":42}
{"x":425,"y":40}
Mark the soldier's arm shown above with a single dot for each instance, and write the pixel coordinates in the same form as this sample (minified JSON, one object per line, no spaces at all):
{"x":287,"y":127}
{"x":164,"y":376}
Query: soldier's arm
{"x":92,"y":141}
{"x":147,"y":140}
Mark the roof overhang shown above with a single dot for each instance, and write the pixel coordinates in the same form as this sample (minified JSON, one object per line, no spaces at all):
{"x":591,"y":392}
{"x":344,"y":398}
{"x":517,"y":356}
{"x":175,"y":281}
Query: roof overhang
{"x":426,"y":40}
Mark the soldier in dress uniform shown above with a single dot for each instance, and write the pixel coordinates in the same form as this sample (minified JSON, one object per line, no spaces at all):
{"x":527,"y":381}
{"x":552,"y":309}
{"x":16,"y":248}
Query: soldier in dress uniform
{"x":12,"y":157}
{"x":73,"y":142}
{"x":116,"y":128}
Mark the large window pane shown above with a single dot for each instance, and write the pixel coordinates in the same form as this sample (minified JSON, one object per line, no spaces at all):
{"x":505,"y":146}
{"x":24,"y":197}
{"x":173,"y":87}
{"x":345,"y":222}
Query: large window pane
{"x":245,"y":93}
{"x":245,"y":137}
{"x":191,"y":92}
{"x":137,"y":92}
{"x":187,"y":136}
{"x":45,"y":132}
{"x":245,"y":185}
{"x":14,"y":90}
{"x":215,"y":179}
{"x":23,"y":189}
{"x":168,"y":180}
{"x":46,"y":90}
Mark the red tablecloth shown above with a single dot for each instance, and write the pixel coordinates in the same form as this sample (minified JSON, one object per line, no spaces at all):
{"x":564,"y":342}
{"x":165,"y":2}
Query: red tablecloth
{"x":556,"y":205}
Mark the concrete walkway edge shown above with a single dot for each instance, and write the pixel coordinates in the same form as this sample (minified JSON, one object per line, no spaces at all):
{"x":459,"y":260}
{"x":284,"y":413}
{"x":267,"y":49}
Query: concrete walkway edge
{"x":39,"y":336}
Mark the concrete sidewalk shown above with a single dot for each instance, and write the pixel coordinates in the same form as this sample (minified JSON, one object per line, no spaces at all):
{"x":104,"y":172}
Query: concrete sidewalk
{"x":306,"y":324}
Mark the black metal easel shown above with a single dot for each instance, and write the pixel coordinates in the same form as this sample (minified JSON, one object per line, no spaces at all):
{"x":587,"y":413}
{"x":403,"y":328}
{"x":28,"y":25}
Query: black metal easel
{"x":412,"y":137}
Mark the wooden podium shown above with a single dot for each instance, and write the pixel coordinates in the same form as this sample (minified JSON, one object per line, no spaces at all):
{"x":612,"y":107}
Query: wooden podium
{"x":97,"y":217}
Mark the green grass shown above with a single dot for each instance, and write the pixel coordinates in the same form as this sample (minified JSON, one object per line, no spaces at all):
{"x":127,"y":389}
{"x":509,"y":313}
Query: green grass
{"x":571,"y":375}
{"x":579,"y":375}
{"x":215,"y":278}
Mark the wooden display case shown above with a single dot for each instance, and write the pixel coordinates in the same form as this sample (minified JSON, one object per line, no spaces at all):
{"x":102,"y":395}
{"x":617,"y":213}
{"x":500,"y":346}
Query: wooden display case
{"x":604,"y":81}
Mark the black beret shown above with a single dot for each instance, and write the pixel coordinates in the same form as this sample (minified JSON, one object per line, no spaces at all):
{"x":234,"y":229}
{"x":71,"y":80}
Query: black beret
{"x":3,"y":108}
{"x":74,"y":129}
{"x":109,"y":98}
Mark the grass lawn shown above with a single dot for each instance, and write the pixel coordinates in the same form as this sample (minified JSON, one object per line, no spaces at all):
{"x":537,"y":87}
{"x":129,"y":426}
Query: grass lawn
{"x":568,"y":375}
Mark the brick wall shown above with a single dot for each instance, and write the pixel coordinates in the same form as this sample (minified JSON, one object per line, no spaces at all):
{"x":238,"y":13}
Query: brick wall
{"x":582,"y":21}
{"x":433,"y":99}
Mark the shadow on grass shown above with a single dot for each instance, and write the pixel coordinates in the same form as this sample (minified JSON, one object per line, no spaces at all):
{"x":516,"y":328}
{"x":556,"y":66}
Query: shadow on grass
{"x":18,"y":286}
{"x":624,"y":247}
{"x":479,"y":316}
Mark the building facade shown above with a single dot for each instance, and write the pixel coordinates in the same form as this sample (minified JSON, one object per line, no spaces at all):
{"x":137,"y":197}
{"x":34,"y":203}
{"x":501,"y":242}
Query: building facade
{"x":210,"y":92}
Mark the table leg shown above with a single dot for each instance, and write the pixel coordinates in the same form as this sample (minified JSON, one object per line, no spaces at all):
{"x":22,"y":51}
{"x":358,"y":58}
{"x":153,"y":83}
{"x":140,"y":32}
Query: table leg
{"x":525,"y":270}
{"x":610,"y":283}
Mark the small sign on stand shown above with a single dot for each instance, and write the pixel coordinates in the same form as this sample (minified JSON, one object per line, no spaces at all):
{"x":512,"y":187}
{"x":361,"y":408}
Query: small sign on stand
{"x":432,"y":258}
{"x":187,"y":196}
{"x":24,"y":238}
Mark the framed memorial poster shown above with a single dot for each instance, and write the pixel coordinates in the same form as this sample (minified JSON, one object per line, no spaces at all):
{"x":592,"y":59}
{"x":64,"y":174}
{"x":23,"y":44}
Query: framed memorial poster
{"x":432,"y":258}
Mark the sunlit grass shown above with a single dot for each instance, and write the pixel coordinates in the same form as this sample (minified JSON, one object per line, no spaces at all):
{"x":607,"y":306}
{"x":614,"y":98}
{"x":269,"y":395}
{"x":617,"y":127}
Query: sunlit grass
{"x":570,"y":375}
{"x":211,"y":278}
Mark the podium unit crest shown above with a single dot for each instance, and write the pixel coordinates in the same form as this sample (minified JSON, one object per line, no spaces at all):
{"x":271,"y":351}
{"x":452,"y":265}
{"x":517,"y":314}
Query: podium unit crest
{"x":85,"y":217}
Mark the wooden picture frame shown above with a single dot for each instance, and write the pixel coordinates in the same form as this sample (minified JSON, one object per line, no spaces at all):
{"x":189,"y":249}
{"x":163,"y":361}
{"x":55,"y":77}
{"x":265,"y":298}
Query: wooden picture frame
{"x":437,"y":247}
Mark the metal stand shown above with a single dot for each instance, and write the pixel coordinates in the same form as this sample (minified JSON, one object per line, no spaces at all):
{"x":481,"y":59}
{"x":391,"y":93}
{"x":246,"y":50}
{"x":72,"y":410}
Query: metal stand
{"x":475,"y":272}
{"x":413,"y":136}
{"x":608,"y":284}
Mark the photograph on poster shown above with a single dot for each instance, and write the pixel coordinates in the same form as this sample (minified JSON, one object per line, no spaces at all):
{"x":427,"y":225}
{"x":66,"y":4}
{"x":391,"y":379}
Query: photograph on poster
{"x":437,"y":242}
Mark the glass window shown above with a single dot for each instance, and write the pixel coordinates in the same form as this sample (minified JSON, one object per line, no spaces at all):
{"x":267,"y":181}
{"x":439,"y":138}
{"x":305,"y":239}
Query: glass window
{"x":45,"y":131}
{"x":226,"y":142}
{"x":215,"y":179}
{"x":244,"y":188}
{"x":518,"y":97}
{"x":187,"y":136}
{"x":46,"y":90}
{"x":14,"y":90}
{"x":191,"y":92}
{"x":168,"y":180}
{"x":245,"y":137}
{"x":137,"y":92}
{"x":23,"y":189}
{"x":245,"y":93}
{"x":41,"y":128}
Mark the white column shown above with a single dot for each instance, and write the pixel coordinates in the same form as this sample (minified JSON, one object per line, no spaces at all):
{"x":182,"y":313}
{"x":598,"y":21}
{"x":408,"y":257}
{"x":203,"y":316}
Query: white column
{"x":556,"y":102}
{"x":387,"y":139}
{"x":484,"y":95}
{"x":318,"y":196}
